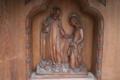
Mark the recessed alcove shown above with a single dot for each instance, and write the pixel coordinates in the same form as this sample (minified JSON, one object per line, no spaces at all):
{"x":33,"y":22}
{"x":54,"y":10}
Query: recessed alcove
{"x":91,"y":22}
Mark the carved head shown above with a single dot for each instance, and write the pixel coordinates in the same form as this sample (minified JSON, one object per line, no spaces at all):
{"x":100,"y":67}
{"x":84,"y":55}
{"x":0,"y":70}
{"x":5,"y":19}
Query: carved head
{"x":56,"y":12}
{"x":74,"y":20}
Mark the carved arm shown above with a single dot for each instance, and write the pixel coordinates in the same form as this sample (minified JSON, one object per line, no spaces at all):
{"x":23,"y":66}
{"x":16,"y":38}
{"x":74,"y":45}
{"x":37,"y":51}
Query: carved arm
{"x":62,"y":31}
{"x":46,"y":25}
{"x":82,"y":36}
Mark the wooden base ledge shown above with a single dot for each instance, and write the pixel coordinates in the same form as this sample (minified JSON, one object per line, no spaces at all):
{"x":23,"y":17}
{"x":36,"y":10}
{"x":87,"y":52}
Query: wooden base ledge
{"x":89,"y":76}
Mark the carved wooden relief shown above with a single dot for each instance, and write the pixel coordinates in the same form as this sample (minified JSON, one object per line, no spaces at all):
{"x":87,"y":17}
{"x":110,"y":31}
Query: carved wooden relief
{"x":64,"y":51}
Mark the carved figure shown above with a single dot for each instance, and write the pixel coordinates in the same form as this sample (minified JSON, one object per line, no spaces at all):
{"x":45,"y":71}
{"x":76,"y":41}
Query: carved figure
{"x":61,"y":52}
{"x":76,"y":42}
{"x":51,"y":37}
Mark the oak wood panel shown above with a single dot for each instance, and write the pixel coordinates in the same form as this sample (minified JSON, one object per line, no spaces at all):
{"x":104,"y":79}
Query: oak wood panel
{"x":10,"y":9}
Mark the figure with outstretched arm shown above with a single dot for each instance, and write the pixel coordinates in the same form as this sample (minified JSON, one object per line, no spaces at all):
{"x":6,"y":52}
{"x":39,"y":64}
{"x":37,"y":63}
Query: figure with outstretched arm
{"x":76,"y":42}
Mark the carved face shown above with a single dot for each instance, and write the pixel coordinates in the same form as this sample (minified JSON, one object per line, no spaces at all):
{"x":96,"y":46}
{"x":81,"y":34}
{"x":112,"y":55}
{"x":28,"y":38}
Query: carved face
{"x":56,"y":12}
{"x":74,"y":21}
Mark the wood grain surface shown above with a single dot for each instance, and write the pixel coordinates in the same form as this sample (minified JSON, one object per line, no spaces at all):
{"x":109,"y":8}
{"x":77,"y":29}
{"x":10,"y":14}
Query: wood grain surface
{"x":13,"y":15}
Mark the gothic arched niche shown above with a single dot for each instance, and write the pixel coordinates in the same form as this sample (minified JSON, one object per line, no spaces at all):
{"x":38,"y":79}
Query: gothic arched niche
{"x":72,"y":13}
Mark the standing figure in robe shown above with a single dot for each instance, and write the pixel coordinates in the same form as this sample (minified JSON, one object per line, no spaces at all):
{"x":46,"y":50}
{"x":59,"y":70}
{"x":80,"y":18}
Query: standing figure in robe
{"x":73,"y":42}
{"x":45,"y":33}
{"x":76,"y":42}
{"x":50,"y":37}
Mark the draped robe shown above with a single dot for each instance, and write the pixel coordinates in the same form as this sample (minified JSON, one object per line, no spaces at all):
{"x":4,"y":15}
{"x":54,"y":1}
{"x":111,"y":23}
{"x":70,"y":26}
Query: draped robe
{"x":52,"y":44}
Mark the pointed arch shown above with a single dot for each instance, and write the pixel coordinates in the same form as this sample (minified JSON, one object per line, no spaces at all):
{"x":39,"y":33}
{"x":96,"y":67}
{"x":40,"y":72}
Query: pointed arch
{"x":98,"y":31}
